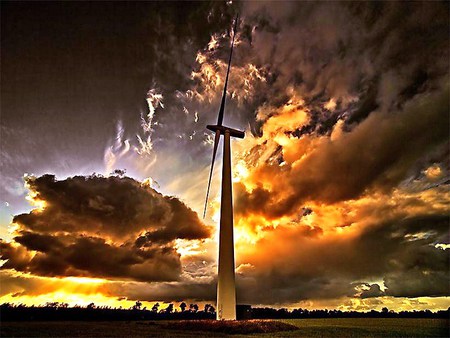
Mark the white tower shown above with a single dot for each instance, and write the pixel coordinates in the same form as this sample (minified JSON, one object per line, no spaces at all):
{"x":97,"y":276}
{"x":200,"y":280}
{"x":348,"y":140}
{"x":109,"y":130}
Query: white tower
{"x":226,"y":288}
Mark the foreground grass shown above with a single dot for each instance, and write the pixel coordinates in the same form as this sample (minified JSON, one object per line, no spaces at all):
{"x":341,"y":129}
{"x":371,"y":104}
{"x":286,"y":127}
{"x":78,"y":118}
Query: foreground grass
{"x":335,"y":327}
{"x":369,"y":327}
{"x":92,"y":329}
{"x":233,"y":327}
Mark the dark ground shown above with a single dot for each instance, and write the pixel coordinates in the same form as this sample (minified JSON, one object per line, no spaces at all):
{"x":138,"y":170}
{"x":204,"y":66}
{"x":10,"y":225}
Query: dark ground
{"x":335,"y":327}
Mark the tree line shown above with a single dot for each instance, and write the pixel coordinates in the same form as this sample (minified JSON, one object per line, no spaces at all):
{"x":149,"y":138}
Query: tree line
{"x":270,"y":313}
{"x":62,"y":311}
{"x":54,"y":311}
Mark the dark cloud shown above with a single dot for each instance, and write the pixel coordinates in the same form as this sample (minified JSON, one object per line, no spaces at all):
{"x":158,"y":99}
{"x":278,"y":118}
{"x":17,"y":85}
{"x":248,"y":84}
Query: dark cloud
{"x":114,"y":207}
{"x":93,"y":257}
{"x":18,"y":257}
{"x":90,"y":227}
{"x":179,"y":226}
{"x":351,"y":49}
{"x":419,"y":283}
{"x":304,"y":264}
{"x":373,"y":290}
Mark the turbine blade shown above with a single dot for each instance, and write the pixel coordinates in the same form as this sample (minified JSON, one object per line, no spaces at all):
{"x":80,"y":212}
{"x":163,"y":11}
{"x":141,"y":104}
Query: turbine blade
{"x":224,"y":94}
{"x":216,"y":144}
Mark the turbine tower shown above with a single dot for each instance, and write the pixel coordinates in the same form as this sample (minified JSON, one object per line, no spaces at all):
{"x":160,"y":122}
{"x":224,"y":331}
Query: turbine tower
{"x":226,"y":288}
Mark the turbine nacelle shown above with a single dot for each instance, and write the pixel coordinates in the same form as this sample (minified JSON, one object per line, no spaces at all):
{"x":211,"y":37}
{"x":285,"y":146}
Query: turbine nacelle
{"x":222,"y":129}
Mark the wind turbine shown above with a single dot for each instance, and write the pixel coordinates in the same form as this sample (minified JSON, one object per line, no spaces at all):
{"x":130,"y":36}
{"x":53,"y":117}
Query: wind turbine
{"x":226,"y":287}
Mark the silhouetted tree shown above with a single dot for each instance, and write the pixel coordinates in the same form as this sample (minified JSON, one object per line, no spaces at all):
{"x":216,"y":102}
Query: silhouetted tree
{"x":169,"y":308}
{"x":193,"y":307}
{"x":155,"y":307}
{"x":137,"y":306}
{"x":49,"y":304}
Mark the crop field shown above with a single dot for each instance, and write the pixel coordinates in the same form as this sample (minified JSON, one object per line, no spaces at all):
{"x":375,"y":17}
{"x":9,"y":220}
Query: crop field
{"x":335,"y":327}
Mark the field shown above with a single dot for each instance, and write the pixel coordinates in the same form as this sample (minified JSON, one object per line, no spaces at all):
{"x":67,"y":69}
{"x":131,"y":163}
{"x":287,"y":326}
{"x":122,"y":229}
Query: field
{"x":370,"y":327}
{"x":360,"y":327}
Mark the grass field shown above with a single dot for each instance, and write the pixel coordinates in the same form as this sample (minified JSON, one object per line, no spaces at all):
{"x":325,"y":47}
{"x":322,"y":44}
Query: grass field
{"x":360,"y":327}
{"x":369,"y":327}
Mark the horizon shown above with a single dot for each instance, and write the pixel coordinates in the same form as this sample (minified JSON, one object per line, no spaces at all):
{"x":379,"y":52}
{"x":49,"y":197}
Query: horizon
{"x":340,"y":186}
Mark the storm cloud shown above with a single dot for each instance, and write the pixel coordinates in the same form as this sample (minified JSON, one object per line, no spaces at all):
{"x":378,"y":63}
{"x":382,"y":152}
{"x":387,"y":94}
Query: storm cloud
{"x":110,"y":227}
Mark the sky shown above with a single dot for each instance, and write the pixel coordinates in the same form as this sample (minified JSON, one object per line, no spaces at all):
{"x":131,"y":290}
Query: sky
{"x":340,"y":185}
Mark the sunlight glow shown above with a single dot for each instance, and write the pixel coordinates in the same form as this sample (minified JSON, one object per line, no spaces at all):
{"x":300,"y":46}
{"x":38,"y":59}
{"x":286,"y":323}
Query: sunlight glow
{"x":32,"y":196}
{"x":189,"y":247}
{"x":85,"y":280}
